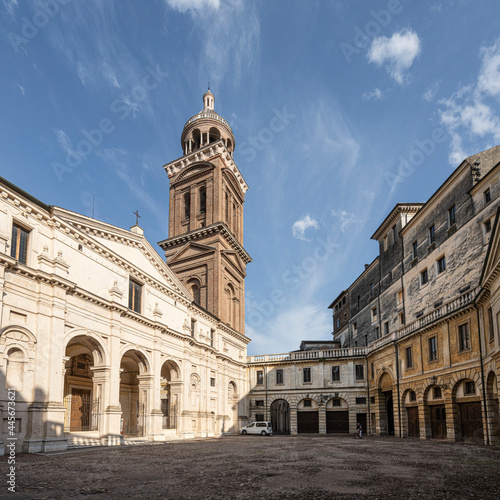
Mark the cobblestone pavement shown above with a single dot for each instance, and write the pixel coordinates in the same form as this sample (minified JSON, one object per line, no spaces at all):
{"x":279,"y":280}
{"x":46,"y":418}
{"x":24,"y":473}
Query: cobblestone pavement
{"x":257,"y":467}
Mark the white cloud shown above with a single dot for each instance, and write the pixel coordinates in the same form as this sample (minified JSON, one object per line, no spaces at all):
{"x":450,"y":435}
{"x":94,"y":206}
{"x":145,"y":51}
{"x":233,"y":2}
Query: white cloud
{"x":396,"y":53}
{"x":346,"y":219}
{"x":431,"y":92}
{"x":375,"y":94}
{"x":64,"y":141}
{"x":10,"y":6}
{"x":193,"y":5}
{"x":470,"y":114}
{"x":302,"y":225}
{"x":489,"y":77}
{"x":21,"y":88}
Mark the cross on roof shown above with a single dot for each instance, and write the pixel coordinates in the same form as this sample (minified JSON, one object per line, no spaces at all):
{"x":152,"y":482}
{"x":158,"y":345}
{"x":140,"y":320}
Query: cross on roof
{"x":137,"y":217}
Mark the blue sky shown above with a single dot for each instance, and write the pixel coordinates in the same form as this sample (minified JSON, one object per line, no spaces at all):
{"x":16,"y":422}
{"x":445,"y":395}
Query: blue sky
{"x":340,"y":110}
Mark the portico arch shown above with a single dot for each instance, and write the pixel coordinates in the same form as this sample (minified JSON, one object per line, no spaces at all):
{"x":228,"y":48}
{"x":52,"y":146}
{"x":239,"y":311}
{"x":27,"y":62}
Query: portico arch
{"x":386,"y":403}
{"x":135,"y":389}
{"x":170,"y":394}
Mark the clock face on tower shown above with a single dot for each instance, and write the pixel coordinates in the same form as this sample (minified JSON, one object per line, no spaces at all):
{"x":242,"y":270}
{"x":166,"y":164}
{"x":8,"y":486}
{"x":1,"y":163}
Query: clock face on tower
{"x":205,"y":238}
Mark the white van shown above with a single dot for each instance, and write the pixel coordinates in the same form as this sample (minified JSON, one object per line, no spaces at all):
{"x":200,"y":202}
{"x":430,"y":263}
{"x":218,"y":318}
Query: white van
{"x":262,"y":428}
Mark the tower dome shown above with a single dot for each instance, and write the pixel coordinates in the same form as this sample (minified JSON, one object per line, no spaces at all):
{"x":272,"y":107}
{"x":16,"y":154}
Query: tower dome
{"x":206,"y":127}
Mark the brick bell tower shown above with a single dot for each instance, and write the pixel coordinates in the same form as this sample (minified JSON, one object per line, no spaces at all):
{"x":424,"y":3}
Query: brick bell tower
{"x":205,"y":235}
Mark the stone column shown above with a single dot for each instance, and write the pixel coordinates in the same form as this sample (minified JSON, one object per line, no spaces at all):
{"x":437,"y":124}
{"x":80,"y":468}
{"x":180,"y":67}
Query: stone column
{"x":111,"y":400}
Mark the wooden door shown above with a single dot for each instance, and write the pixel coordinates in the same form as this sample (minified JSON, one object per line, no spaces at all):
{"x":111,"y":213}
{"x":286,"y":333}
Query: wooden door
{"x":413,"y":423}
{"x":471,"y":421}
{"x":337,"y":422}
{"x":80,"y":410}
{"x":438,"y":421}
{"x":307,"y":422}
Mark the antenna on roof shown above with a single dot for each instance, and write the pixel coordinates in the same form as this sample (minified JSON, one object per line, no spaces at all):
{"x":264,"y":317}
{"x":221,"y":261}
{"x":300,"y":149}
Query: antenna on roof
{"x":208,"y":85}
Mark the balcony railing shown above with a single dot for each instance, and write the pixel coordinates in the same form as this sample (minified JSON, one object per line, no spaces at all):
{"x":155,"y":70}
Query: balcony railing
{"x":300,"y":355}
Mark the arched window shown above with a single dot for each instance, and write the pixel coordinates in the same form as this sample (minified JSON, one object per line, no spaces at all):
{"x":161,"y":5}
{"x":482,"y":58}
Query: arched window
{"x":203,"y":200}
{"x":187,"y":205}
{"x":15,"y":370}
{"x":193,"y":285}
{"x":214,"y":135}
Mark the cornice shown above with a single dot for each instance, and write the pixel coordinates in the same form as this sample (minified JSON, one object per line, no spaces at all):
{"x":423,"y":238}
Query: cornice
{"x":400,"y":208}
{"x":219,"y":227}
{"x":205,"y":154}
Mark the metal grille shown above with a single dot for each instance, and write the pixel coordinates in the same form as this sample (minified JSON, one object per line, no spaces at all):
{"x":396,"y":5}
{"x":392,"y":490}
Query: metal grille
{"x":82,"y":413}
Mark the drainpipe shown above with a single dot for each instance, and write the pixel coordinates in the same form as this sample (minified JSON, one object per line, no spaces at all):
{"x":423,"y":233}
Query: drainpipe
{"x":265,"y":374}
{"x":397,"y":384}
{"x":368,"y":418}
{"x":378,"y":298}
{"x":482,"y":375}
{"x":402,"y":274}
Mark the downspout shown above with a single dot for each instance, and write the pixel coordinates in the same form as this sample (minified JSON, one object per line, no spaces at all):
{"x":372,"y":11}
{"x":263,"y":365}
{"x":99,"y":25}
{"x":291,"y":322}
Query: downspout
{"x":397,"y":384}
{"x":378,"y":298}
{"x":368,"y":417}
{"x":265,"y":372}
{"x":482,"y":375}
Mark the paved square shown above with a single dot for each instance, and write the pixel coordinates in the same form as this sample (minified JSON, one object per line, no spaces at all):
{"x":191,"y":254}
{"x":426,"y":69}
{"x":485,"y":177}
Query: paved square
{"x":256,"y":467}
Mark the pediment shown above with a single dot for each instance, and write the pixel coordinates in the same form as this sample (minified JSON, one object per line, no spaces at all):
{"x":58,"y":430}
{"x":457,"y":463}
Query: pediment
{"x":233,"y":182}
{"x":191,"y":251}
{"x":188,"y":173}
{"x":233,"y":257}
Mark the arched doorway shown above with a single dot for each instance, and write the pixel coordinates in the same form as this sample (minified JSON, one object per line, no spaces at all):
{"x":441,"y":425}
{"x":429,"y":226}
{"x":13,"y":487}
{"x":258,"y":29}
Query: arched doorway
{"x":386,"y":406}
{"x":412,"y":424}
{"x":133,"y":393}
{"x":337,"y":416}
{"x":470,"y":421}
{"x":280,"y":416}
{"x":307,"y":417}
{"x":436,"y":412}
{"x":83,"y":393}
{"x":493,"y":409}
{"x":170,"y":394}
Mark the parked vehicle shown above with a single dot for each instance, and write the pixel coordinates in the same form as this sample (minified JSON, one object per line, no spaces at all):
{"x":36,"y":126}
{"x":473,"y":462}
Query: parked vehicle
{"x":262,"y":428}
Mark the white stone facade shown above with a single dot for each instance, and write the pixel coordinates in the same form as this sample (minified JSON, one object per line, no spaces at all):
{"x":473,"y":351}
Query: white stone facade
{"x":81,"y":363}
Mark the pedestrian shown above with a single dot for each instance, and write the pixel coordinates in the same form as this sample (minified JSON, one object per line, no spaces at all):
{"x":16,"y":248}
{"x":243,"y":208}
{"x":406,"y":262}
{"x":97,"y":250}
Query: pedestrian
{"x":359,"y":430}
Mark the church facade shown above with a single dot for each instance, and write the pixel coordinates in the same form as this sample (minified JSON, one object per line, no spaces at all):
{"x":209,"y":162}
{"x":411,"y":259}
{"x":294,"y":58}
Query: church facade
{"x":100,"y":339}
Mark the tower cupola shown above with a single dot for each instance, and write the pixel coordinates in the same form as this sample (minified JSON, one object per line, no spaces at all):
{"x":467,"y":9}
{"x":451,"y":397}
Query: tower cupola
{"x":206,"y":127}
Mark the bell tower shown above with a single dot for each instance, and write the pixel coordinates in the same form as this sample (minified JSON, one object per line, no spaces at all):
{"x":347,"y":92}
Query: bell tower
{"x":205,"y":234}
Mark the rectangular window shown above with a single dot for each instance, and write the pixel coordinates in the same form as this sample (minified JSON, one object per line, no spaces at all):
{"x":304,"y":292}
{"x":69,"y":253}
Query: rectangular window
{"x":279,"y":376}
{"x":260,"y":377}
{"x":259,"y":417}
{"x":134,"y":295}
{"x":436,"y":393}
{"x":409,"y":357}
{"x":360,"y":372}
{"x":433,"y":349}
{"x":366,"y":336}
{"x":432,"y":234}
{"x":19,"y":245}
{"x":307,"y":403}
{"x":385,"y":243}
{"x":203,"y":200}
{"x":451,"y":215}
{"x":336,"y":402}
{"x":401,"y":318}
{"x":355,"y":329}
{"x":414,"y":246}
{"x":374,"y":314}
{"x":424,"y":277}
{"x":372,"y":371}
{"x":470,"y":387}
{"x":463,"y":337}
{"x":193,"y":327}
{"x":212,"y":337}
{"x":306,"y":375}
{"x":335,"y":373}
{"x":490,"y":324}
{"x":394,"y":234}
{"x":400,"y":296}
{"x":259,"y":402}
{"x":371,"y":289}
{"x":359,"y":300}
{"x":212,"y":381}
{"x":441,"y":265}
{"x":386,"y":328}
{"x":360,"y":401}
{"x":413,"y":396}
{"x":487,"y":226}
{"x":487,"y":196}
